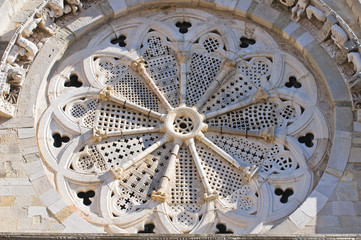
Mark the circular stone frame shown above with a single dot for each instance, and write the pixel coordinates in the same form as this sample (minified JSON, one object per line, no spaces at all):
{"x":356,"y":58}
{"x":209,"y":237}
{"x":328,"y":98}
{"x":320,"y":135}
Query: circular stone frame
{"x":262,"y":14}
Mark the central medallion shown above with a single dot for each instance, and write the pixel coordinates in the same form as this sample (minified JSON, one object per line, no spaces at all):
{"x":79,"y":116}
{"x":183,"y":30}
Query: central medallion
{"x":184,"y":123}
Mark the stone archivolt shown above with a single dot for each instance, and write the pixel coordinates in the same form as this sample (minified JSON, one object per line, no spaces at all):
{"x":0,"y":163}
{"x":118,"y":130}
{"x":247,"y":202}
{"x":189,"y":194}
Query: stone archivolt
{"x":183,"y":127}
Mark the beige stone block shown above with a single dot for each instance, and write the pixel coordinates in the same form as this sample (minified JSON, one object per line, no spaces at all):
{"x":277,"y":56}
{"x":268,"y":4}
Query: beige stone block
{"x":56,"y":207}
{"x":22,"y":201}
{"x":356,"y":127}
{"x":327,"y":184}
{"x":343,"y":208}
{"x":355,"y":155}
{"x":29,"y":150}
{"x":33,"y":167}
{"x":339,"y":153}
{"x":24,"y":133}
{"x":305,"y":39}
{"x":25,"y":224}
{"x":299,"y":218}
{"x":55,"y":226}
{"x":347,"y":191}
{"x":75,"y":224}
{"x":63,"y":214}
{"x":28,"y":143}
{"x":15,"y":182}
{"x":50,"y":197}
{"x":265,"y":15}
{"x":119,"y":7}
{"x":9,"y":225}
{"x":42,"y":185}
{"x":37,"y":211}
{"x":338,"y":230}
{"x":344,"y":118}
{"x":348,"y":221}
{"x":281,"y":23}
{"x":313,"y":204}
{"x":207,"y":3}
{"x":31,"y":157}
{"x":7,"y":201}
{"x":35,"y":201}
{"x":37,"y":175}
{"x":328,"y":221}
{"x":319,"y":58}
{"x":242,"y":7}
{"x":347,"y":176}
{"x":39,"y":223}
{"x":358,"y":208}
{"x":326,"y":210}
{"x":16,"y":190}
{"x":85,"y":22}
{"x":65,"y":35}
{"x":228,"y":5}
{"x":8,"y":212}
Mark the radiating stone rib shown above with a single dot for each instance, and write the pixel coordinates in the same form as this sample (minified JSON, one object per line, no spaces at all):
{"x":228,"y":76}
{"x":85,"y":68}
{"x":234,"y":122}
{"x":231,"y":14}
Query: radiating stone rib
{"x":99,"y":135}
{"x":247,"y":171}
{"x":139,"y":66}
{"x":267,"y":134}
{"x":183,"y":57}
{"x":258,"y":96}
{"x":118,"y":171}
{"x":209,"y":193}
{"x":108,"y":94}
{"x":160,"y":193}
{"x":227,"y":67}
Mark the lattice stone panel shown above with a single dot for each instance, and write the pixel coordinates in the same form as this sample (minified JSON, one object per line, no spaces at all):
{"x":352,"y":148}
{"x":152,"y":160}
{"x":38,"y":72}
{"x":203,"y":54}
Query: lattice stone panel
{"x":181,"y":124}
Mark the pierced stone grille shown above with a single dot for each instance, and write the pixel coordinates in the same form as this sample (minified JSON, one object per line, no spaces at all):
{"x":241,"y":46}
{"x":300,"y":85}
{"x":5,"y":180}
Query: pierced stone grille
{"x":183,"y":134}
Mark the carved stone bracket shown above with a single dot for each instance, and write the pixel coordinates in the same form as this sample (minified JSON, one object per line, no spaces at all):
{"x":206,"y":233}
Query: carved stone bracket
{"x":22,"y":49}
{"x":334,"y":27}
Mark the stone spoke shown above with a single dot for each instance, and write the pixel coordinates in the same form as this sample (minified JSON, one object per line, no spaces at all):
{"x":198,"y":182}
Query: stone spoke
{"x":259,"y":96}
{"x":139,"y":66}
{"x":99,"y":135}
{"x":227,"y":67}
{"x":109,"y":95}
{"x":248,"y":172}
{"x":209,"y":193}
{"x":160,"y":193}
{"x":267,"y":134}
{"x":118,"y":171}
{"x":183,"y":57}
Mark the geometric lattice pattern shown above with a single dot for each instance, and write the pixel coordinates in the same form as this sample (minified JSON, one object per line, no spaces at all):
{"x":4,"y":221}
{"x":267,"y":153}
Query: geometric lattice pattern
{"x":180,"y":131}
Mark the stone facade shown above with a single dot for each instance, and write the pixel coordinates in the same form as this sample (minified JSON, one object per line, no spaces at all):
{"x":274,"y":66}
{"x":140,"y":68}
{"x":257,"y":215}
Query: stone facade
{"x":36,"y":37}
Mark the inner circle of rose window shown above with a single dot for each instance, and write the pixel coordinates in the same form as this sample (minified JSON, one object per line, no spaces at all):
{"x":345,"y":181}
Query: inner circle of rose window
{"x":183,"y":125}
{"x":171,"y":135}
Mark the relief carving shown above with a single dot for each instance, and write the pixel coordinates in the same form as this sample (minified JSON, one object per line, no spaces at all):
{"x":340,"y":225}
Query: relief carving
{"x":355,"y":82}
{"x":60,"y":7}
{"x":298,"y":11}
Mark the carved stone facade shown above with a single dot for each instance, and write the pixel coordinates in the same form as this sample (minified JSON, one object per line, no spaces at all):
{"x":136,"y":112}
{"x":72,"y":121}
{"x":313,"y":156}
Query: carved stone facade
{"x":182,"y":117}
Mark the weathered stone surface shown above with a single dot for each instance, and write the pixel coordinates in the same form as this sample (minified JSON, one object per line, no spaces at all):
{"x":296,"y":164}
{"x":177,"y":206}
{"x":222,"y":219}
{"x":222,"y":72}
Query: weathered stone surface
{"x":29,"y":202}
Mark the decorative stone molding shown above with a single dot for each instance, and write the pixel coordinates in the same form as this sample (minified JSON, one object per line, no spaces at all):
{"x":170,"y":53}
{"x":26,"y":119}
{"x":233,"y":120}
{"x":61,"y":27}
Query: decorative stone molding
{"x":24,"y":46}
{"x":56,"y":8}
{"x":334,"y":26}
{"x":335,"y":165}
{"x":183,"y":129}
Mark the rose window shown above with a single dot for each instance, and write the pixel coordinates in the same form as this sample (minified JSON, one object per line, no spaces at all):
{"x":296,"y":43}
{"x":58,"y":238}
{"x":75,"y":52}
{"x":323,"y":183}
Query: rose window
{"x":182,"y":131}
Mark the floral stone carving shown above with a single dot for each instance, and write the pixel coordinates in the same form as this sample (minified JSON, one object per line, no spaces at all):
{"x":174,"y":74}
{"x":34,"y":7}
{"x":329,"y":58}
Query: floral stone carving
{"x":185,"y":130}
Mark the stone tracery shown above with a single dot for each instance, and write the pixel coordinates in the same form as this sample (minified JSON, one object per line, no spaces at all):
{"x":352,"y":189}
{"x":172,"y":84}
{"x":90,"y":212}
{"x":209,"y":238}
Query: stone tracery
{"x":129,"y":145}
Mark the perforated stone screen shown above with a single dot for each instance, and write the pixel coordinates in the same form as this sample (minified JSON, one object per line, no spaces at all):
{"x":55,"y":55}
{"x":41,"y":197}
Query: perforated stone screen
{"x":184,"y":122}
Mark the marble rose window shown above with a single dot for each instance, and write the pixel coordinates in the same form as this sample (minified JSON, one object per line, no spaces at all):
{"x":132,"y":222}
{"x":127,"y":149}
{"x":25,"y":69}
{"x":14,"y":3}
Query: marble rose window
{"x":186,"y":122}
